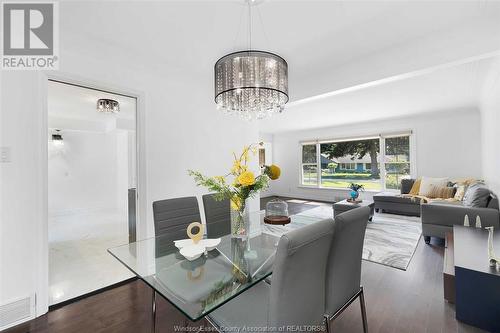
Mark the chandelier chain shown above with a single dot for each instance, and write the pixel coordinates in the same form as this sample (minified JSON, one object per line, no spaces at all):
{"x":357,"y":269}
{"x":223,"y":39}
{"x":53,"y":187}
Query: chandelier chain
{"x":249,"y":24}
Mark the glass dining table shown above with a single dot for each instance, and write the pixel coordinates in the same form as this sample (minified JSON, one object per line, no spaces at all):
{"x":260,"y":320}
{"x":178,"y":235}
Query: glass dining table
{"x":200,"y":286}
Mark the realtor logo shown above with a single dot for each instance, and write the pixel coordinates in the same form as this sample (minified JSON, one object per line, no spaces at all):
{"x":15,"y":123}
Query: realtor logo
{"x":30,"y":37}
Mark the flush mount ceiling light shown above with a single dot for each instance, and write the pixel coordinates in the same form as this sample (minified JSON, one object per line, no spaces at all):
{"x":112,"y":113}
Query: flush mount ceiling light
{"x":252,"y":84}
{"x":106,"y":105}
{"x":57,"y":138}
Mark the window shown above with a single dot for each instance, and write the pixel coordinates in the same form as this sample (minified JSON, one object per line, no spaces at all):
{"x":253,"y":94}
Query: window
{"x":350,"y":157}
{"x":397,"y":161}
{"x":309,"y":165}
{"x":347,"y":166}
{"x":376,"y":163}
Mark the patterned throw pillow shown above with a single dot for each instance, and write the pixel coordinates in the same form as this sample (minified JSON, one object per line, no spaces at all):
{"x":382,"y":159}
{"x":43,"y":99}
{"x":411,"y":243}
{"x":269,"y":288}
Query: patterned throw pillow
{"x":427,"y":183}
{"x":415,"y":189}
{"x":459,"y":194}
{"x":462,"y":184}
{"x":441,"y":192}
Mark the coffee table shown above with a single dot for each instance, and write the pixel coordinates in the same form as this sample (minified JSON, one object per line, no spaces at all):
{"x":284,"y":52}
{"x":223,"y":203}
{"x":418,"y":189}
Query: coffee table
{"x":344,"y":206}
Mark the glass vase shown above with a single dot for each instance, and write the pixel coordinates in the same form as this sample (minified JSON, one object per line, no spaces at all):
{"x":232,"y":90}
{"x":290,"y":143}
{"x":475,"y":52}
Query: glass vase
{"x":239,"y":219}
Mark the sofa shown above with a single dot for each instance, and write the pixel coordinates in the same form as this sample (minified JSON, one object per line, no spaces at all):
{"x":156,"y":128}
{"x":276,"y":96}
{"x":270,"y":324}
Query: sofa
{"x":394,"y":203}
{"x":438,"y":217}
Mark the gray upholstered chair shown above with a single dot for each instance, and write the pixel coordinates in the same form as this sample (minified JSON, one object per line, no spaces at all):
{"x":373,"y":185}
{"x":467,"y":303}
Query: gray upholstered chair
{"x":296,"y":296}
{"x":217,"y":216}
{"x":172,"y":216}
{"x":343,"y":278}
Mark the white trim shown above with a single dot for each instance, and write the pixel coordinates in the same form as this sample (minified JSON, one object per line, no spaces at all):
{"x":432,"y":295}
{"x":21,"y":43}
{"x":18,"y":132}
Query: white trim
{"x":42,"y":270}
{"x":413,"y":155}
{"x":357,"y":138}
{"x":318,"y":164}
{"x":381,"y":164}
{"x":313,"y":187}
{"x":41,"y":275}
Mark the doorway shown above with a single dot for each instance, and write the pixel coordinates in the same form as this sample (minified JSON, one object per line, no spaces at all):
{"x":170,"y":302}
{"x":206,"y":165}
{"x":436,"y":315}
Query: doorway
{"x":92,"y":180}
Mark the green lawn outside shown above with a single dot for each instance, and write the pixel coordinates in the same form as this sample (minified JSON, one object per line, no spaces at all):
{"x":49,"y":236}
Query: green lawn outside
{"x":345,"y":184}
{"x":346,"y":175}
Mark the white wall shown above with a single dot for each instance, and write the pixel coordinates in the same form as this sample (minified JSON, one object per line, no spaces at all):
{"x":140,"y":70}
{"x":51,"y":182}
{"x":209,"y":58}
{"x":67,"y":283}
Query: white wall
{"x":84,"y":173}
{"x":181,"y":132}
{"x":447,"y":145}
{"x":490,"y":130}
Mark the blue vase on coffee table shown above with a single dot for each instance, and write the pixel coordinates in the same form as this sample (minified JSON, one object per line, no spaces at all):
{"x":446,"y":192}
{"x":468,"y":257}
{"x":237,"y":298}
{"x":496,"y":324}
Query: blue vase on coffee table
{"x":354,"y":195}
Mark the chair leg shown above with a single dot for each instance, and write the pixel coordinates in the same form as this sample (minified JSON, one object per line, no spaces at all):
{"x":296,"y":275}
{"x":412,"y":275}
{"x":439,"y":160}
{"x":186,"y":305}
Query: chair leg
{"x":363,"y":311}
{"x":327,"y":324}
{"x":153,"y":312}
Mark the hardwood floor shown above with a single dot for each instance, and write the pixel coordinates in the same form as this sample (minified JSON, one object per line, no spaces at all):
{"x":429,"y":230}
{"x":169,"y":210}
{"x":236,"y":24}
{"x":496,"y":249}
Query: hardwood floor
{"x":396,"y":301}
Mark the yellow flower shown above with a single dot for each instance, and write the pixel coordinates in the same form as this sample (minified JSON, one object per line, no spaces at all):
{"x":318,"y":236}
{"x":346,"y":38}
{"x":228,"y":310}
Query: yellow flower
{"x":273,"y":171}
{"x":236,"y":167}
{"x":235,"y":203}
{"x":220,"y":179}
{"x":246,"y":178}
{"x":245,"y":153}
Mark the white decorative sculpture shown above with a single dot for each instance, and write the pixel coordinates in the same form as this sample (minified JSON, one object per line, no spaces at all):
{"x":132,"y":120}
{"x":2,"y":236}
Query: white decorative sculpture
{"x":466,"y":221}
{"x":491,"y":252}
{"x":478,"y":222}
{"x":193,"y":247}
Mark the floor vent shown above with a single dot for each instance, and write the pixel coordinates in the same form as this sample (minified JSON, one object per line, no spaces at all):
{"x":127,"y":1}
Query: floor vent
{"x":15,"y":312}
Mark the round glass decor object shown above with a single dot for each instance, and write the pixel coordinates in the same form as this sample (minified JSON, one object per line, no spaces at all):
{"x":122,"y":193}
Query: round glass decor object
{"x":277,"y":212}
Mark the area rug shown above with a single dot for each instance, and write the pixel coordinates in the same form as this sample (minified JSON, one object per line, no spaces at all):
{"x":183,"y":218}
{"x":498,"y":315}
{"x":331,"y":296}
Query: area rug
{"x":390,"y":240}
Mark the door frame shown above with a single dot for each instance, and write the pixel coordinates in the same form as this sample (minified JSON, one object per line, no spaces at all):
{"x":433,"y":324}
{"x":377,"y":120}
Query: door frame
{"x":42,"y":269}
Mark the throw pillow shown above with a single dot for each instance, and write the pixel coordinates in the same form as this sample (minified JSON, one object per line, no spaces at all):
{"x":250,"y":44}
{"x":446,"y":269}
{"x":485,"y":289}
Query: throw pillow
{"x":441,"y":192}
{"x":477,"y":195}
{"x":459,"y":194}
{"x":406,"y":185}
{"x":415,"y":189}
{"x":427,"y":183}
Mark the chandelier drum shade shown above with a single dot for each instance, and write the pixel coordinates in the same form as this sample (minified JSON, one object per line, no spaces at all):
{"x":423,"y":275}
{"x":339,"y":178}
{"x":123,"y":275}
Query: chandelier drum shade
{"x":106,"y":105}
{"x":251,"y":83}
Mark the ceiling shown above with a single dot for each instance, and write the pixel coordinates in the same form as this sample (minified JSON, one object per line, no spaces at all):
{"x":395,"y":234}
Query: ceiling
{"x":329,"y":45}
{"x":73,"y":107}
{"x":189,"y":36}
{"x":453,"y":88}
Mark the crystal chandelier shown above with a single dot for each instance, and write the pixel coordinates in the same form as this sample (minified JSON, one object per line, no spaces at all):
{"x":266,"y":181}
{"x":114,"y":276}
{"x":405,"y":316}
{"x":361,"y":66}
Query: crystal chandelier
{"x":108,"y":105}
{"x":252,"y":84}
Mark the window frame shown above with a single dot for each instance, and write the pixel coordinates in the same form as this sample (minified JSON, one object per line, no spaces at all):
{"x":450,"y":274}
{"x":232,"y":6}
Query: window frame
{"x":318,"y":164}
{"x":382,"y":156}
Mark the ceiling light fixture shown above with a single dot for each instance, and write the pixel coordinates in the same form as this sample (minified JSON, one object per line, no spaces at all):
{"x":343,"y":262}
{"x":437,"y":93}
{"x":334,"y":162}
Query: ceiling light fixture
{"x":57,"y":138}
{"x":252,"y":84}
{"x":106,"y":105}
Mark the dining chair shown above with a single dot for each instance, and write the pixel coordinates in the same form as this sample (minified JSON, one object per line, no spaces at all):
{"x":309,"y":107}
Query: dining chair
{"x":296,"y":296}
{"x":343,"y":279}
{"x":217,"y":216}
{"x":172,"y":216}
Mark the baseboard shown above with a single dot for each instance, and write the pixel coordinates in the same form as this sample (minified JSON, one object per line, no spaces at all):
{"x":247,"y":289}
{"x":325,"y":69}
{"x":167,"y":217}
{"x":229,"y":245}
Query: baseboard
{"x":92,"y":293}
